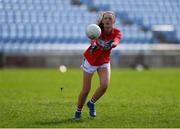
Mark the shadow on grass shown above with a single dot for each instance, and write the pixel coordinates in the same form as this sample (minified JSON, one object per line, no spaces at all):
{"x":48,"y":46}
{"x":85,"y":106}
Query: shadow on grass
{"x":60,"y":122}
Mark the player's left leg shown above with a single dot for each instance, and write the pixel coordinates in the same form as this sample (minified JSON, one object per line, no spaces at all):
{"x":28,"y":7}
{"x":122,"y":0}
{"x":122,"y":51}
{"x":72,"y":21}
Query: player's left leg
{"x":104,"y":77}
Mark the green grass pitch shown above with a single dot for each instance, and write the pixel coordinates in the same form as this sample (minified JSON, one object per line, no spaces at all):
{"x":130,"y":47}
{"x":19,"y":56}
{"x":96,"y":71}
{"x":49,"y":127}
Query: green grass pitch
{"x":47,"y":98}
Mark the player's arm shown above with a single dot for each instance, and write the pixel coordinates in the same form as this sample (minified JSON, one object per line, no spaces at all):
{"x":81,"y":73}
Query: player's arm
{"x":93,"y":46}
{"x":116,"y":40}
{"x":113,"y":43}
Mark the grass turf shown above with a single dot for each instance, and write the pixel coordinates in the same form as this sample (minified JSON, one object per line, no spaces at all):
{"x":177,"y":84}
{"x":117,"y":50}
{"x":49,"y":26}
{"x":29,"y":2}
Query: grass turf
{"x":47,"y":98}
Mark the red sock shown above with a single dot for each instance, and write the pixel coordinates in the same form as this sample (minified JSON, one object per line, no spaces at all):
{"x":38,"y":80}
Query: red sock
{"x":79,"y":109}
{"x":93,"y":100}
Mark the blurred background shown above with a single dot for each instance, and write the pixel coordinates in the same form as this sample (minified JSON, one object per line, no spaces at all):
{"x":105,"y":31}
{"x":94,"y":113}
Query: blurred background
{"x":49,"y":33}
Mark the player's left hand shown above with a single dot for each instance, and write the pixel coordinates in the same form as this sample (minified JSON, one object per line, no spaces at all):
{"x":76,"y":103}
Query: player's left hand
{"x":108,"y":45}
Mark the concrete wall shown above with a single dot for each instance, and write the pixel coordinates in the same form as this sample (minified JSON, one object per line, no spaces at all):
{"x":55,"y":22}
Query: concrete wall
{"x":147,"y":59}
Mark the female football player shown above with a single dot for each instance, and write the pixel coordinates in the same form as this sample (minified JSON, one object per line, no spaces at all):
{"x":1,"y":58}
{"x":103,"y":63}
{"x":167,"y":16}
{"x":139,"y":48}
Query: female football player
{"x":97,"y":58}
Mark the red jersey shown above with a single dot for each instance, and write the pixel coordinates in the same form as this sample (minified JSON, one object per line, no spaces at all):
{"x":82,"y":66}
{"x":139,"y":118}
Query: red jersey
{"x":101,"y":56}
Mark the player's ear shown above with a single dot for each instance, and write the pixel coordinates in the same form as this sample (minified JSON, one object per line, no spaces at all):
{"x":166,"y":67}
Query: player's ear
{"x":114,"y":19}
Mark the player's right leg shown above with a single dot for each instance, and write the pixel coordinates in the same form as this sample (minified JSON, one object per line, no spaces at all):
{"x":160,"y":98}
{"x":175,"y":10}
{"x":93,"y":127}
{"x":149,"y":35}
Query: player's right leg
{"x":87,"y":77}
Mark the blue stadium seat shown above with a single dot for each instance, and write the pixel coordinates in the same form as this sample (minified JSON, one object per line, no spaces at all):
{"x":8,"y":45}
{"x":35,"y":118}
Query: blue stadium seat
{"x":58,"y":21}
{"x":146,"y":13}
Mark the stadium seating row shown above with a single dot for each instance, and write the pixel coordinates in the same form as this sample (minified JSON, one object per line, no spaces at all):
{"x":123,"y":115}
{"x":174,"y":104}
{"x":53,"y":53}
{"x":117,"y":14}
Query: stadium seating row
{"x":58,"y":21}
{"x":146,"y":13}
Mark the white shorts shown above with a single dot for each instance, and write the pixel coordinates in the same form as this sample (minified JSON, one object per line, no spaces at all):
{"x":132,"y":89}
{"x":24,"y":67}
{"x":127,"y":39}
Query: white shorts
{"x":91,"y":69}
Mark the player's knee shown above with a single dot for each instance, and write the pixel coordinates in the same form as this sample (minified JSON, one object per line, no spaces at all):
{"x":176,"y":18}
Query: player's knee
{"x":104,"y":86}
{"x":104,"y":83}
{"x":85,"y":91}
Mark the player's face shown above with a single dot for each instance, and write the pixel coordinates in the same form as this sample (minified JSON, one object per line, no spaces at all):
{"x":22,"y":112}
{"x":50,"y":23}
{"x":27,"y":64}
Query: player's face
{"x":108,"y":20}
